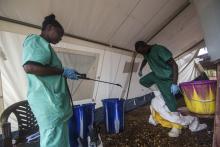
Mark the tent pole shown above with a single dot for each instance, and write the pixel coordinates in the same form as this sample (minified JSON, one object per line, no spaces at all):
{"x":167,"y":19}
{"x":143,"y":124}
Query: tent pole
{"x":132,"y":67}
{"x":216,"y":134}
{"x":1,"y":97}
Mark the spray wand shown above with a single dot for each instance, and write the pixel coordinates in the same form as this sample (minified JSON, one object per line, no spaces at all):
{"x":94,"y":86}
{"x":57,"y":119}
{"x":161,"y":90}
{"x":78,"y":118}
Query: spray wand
{"x":84,"y":77}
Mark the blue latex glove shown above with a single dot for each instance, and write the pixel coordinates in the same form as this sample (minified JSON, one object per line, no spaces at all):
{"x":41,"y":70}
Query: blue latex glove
{"x":70,"y":73}
{"x":174,"y":89}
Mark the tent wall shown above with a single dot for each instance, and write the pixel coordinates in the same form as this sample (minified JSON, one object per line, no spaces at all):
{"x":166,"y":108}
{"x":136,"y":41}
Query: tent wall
{"x":209,"y":17}
{"x":13,"y":77}
{"x":0,"y":86}
{"x":110,"y":65}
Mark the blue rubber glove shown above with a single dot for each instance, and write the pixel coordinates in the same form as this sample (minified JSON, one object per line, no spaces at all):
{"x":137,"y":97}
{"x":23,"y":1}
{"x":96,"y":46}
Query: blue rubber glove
{"x":70,"y":73}
{"x":174,"y":89}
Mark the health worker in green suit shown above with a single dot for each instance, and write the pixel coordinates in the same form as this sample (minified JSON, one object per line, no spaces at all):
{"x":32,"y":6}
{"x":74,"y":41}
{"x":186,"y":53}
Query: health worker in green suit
{"x":48,"y":94}
{"x":164,"y":71}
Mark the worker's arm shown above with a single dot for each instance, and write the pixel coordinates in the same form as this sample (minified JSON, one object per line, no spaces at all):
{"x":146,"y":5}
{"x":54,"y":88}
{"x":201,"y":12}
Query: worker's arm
{"x":144,"y":62}
{"x":39,"y":69}
{"x":174,"y":87}
{"x":174,"y":66}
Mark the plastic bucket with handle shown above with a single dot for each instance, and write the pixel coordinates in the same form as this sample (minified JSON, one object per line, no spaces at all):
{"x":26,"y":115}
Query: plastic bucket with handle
{"x":200,"y":96}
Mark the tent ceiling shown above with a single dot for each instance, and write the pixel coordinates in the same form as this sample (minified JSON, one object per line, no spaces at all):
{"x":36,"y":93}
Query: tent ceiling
{"x":182,"y":33}
{"x":114,"y":22}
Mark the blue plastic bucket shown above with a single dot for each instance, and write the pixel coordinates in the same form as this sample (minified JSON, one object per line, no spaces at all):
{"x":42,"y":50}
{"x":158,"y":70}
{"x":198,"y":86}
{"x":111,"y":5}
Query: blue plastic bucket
{"x":114,"y":115}
{"x":83,"y":117}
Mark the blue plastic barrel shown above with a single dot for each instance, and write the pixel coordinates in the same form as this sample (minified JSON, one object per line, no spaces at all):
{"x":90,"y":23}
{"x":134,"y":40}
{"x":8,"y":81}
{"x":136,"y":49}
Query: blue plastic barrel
{"x":114,"y":115}
{"x":83,"y":117}
{"x":73,"y":136}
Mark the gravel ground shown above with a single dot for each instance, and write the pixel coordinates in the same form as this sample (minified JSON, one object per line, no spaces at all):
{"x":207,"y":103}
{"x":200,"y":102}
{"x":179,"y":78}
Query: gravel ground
{"x":138,"y":133}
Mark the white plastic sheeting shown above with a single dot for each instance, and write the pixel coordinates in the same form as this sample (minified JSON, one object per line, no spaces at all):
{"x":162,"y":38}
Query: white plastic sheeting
{"x":158,"y":105}
{"x":187,"y":67}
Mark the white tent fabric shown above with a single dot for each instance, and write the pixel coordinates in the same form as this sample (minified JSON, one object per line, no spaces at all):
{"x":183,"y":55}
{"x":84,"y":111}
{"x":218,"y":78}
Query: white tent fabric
{"x":1,"y":96}
{"x":13,"y":78}
{"x":114,"y":22}
{"x":187,"y":67}
{"x":185,"y":30}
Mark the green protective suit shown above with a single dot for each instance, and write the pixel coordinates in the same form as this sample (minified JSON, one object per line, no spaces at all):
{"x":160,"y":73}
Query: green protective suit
{"x":161,"y":74}
{"x":47,"y":95}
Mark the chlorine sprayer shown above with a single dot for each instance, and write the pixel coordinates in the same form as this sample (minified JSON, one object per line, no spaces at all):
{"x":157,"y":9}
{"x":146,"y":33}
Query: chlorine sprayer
{"x":84,"y":77}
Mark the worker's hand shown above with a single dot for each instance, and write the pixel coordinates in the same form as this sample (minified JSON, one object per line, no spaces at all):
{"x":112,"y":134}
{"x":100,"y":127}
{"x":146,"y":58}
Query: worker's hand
{"x":140,"y":73}
{"x":70,"y":73}
{"x":174,"y":89}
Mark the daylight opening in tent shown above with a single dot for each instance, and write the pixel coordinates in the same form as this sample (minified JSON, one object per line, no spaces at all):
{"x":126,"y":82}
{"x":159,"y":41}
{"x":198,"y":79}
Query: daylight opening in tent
{"x":203,"y":51}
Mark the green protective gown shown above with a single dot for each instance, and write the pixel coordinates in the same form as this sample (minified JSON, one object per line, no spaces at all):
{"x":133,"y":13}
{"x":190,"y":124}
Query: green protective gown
{"x":47,"y":95}
{"x":161,"y":74}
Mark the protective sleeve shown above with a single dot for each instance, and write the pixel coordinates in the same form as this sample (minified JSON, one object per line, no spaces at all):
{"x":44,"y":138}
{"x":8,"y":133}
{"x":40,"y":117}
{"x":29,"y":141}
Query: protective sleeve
{"x":36,"y":50}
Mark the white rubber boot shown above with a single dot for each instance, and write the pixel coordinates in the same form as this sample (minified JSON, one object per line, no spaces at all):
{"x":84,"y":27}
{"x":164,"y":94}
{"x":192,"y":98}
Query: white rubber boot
{"x":174,"y":132}
{"x":152,"y":121}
